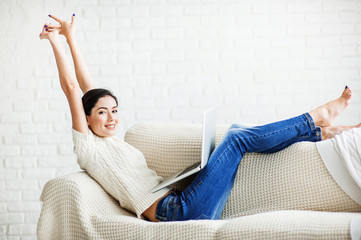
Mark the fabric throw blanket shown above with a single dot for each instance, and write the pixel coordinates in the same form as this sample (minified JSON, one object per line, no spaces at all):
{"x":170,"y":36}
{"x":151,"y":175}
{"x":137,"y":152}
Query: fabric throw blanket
{"x":342,"y":157}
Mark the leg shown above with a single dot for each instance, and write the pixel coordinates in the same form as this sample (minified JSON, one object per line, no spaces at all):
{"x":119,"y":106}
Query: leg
{"x":325,"y":114}
{"x":206,"y":196}
{"x":312,"y":136}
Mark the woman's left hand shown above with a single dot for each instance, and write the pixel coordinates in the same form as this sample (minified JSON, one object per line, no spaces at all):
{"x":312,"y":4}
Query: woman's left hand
{"x":64,"y":28}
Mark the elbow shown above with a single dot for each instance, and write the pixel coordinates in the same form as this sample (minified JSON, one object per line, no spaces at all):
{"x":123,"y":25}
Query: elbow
{"x":69,"y":88}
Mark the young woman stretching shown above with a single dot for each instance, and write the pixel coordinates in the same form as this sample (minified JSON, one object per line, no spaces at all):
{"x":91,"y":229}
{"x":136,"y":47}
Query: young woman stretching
{"x":122,"y":169}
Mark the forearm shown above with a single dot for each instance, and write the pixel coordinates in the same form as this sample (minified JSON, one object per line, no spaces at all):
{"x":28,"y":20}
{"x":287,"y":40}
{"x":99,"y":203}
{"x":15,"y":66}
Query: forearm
{"x":81,"y":69}
{"x":66,"y":76}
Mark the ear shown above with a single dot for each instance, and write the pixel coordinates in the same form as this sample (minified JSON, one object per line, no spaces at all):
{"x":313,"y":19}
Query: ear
{"x":87,"y":120}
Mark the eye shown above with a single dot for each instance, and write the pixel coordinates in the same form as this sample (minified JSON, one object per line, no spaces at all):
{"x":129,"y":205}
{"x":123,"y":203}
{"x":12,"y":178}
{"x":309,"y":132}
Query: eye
{"x":115,"y":111}
{"x":102,"y":112}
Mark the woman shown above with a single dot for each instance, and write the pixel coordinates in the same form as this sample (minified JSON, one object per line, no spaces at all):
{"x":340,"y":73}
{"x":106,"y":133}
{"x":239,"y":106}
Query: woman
{"x":122,"y":170}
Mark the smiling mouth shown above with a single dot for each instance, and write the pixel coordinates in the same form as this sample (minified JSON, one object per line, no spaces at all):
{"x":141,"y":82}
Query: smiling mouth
{"x":110,"y":126}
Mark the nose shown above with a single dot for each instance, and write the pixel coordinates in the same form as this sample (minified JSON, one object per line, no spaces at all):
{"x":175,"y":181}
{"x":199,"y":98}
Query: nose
{"x":110,"y":117}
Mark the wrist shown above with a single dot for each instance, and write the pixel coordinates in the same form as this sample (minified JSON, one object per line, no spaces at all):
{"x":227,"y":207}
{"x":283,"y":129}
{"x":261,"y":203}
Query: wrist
{"x":70,"y":40}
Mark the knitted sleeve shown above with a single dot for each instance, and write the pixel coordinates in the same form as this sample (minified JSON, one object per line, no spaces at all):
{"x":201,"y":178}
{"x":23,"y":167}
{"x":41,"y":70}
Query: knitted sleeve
{"x":84,"y":146}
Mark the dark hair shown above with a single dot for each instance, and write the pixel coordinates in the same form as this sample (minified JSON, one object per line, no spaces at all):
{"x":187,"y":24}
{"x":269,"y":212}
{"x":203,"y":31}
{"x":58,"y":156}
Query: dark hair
{"x":91,"y":97}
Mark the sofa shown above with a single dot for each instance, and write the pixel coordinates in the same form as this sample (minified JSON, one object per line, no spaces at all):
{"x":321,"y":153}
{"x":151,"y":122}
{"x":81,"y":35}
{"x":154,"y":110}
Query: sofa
{"x":283,"y":195}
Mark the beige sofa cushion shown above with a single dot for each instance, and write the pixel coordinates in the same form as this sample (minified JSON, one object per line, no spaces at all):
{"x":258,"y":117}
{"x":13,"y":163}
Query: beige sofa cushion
{"x":292,"y":179}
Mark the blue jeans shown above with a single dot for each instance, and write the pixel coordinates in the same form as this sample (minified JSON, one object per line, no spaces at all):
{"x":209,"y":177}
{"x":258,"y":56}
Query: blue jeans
{"x":207,"y":195}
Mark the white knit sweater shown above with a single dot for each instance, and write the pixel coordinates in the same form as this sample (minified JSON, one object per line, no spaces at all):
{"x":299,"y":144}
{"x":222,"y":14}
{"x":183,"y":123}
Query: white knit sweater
{"x":342,"y":157}
{"x":120,"y":169}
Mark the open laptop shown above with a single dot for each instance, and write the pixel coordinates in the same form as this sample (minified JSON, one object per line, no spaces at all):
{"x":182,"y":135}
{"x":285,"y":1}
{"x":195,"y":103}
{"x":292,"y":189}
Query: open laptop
{"x":208,"y":144}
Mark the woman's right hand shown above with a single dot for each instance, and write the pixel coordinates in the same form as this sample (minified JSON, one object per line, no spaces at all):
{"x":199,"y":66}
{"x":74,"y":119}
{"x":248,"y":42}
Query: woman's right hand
{"x":47,"y":33}
{"x":64,"y":28}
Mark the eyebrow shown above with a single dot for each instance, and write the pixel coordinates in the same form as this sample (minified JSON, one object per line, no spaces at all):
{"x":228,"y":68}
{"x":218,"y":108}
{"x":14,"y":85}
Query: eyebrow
{"x":106,"y":108}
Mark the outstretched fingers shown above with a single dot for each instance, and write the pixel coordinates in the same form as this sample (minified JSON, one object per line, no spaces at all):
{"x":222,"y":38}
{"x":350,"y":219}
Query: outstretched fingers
{"x":56,"y":18}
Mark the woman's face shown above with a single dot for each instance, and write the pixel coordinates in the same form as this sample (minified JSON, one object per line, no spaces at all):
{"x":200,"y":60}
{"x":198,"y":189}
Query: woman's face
{"x":103,"y":120}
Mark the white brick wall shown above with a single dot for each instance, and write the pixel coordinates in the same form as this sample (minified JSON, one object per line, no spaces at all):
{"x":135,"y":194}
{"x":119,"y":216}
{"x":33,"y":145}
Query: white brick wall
{"x":166,"y":60}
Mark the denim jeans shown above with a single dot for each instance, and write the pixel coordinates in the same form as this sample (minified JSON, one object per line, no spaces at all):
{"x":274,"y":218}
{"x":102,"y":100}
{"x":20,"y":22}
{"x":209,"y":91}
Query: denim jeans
{"x":207,"y":195}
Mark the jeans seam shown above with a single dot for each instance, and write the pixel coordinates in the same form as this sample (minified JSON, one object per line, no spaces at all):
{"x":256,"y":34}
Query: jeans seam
{"x":308,"y":120}
{"x":201,"y":181}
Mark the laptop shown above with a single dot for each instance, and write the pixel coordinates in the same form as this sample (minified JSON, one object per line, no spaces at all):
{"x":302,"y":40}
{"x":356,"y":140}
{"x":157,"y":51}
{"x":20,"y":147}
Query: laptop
{"x":208,"y":144}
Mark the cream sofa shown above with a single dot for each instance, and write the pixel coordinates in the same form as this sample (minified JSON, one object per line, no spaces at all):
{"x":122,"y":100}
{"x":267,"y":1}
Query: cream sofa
{"x":285,"y":195}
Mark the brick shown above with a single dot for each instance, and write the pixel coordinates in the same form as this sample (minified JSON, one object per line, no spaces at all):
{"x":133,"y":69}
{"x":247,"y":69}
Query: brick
{"x":268,"y":8}
{"x":183,"y":21}
{"x":48,"y":116}
{"x":350,"y":17}
{"x":351,"y":62}
{"x":38,"y":150}
{"x":133,"y":34}
{"x":148,"y":45}
{"x":166,"y":56}
{"x":150,"y":68}
{"x":10,"y":196}
{"x":16,"y":117}
{"x":113,"y":70}
{"x":100,"y":11}
{"x":133,"y":10}
{"x":115,"y":2}
{"x":288,"y":64}
{"x":20,"y":139}
{"x":336,"y":6}
{"x":164,"y":33}
{"x":287,"y":19}
{"x":323,"y":17}
{"x":289,"y":42}
{"x":24,"y":206}
{"x":166,"y":10}
{"x":183,"y":68}
{"x":351,"y":39}
{"x":133,"y":57}
{"x":21,"y":185}
{"x":336,"y":29}
{"x":32,"y":217}
{"x":200,"y":9}
{"x":20,"y":162}
{"x":22,"y":229}
{"x":147,"y":22}
{"x":323,"y":63}
{"x":182,"y":44}
{"x":38,"y":173}
{"x":54,"y":138}
{"x":9,"y":129}
{"x":8,"y":151}
{"x":304,"y":7}
{"x":34,"y":128}
{"x":57,"y":161}
{"x":217,"y":21}
{"x":306,"y":30}
{"x":340,"y":51}
{"x":199,"y":33}
{"x":6,"y":174}
{"x":166,"y":102}
{"x":153,"y":114}
{"x":150,"y":92}
{"x":10,"y":218}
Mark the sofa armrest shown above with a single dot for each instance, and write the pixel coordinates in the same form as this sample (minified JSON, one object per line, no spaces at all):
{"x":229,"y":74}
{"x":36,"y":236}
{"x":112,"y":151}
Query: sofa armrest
{"x":71,"y":202}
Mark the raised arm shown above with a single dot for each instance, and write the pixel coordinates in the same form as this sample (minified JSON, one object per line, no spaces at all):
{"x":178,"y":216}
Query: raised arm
{"x":82,"y":72}
{"x":67,"y":80}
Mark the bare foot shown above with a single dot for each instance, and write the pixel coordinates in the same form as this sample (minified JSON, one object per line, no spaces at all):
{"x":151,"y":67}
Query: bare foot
{"x":325,"y":114}
{"x":331,"y":131}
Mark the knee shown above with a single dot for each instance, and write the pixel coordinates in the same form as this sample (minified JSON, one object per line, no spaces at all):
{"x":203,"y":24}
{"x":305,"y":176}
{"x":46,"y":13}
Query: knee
{"x":232,"y":134}
{"x":235,"y":125}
